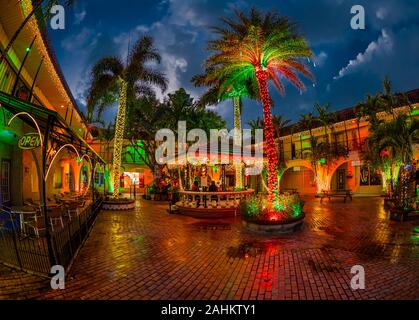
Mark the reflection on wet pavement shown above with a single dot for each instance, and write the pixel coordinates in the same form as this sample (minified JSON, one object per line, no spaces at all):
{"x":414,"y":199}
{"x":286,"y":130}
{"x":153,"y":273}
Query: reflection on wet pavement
{"x":150,"y":254}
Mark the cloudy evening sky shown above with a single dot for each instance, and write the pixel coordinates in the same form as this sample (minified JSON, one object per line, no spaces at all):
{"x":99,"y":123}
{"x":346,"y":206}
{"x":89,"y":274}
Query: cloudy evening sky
{"x":349,"y":63}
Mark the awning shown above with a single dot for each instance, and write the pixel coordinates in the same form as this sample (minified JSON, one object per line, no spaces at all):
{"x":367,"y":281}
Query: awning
{"x":60,"y":133}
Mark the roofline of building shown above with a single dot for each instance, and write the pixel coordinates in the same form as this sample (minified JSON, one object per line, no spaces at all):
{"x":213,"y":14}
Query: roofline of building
{"x":349,"y":114}
{"x":44,"y":33}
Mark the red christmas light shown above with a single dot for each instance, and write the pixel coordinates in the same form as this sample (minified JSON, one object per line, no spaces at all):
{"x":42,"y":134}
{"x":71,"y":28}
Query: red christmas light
{"x":262,"y":77}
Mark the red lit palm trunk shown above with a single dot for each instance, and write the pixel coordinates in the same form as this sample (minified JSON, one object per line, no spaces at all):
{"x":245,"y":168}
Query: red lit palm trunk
{"x":269,"y":133}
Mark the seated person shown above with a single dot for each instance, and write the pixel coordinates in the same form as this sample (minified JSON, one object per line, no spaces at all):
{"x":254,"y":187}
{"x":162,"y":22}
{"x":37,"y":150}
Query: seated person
{"x":195,"y":186}
{"x":213,"y":187}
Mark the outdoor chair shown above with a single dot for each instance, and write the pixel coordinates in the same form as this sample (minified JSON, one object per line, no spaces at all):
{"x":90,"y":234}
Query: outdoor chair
{"x":33,"y":221}
{"x":81,"y":206}
{"x":55,"y":217}
{"x":73,"y":210}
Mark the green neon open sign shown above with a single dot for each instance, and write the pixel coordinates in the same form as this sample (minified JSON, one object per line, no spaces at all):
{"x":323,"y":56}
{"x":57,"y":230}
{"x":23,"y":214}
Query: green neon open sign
{"x":29,"y":141}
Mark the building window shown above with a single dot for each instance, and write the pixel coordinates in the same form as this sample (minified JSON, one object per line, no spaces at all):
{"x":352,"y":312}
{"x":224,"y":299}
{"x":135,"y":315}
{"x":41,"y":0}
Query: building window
{"x":5,"y":181}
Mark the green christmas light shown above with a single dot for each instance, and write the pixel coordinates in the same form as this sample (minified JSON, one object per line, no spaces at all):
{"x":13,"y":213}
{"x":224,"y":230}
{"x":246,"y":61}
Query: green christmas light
{"x":322,"y":161}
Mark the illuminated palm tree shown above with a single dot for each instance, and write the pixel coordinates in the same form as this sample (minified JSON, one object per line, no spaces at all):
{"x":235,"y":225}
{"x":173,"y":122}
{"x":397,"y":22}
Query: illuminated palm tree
{"x":111,"y":78}
{"x":260,"y":48}
{"x":221,"y":90}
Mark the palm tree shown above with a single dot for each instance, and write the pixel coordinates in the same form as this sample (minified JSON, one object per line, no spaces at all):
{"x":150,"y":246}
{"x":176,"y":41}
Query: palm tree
{"x":390,"y":145}
{"x":324,"y":117}
{"x":220,"y":90}
{"x":279,"y":123}
{"x":360,"y":113}
{"x":260,"y":48}
{"x":308,"y":122}
{"x":390,"y":100}
{"x":256,"y":124}
{"x":42,"y":14}
{"x":373,"y":105}
{"x":111,"y":78}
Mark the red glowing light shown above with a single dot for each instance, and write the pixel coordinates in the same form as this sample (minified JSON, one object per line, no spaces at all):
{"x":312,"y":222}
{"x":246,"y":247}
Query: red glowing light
{"x":262,"y":77}
{"x":273,"y":217}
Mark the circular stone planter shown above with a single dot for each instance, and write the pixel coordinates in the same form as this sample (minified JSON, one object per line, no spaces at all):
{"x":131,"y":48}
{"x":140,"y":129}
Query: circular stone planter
{"x":270,"y":227}
{"x":118,"y":205}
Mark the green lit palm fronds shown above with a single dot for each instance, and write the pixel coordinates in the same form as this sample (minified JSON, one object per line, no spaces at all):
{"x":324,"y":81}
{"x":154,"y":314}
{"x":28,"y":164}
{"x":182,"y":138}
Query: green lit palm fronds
{"x":262,"y":41}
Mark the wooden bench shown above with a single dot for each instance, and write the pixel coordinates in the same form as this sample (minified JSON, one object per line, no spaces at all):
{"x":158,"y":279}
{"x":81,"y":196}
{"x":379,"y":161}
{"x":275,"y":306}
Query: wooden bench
{"x":345,"y":194}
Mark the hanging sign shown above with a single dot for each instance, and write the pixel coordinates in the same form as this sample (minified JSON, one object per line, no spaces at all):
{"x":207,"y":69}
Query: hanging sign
{"x":29,"y":141}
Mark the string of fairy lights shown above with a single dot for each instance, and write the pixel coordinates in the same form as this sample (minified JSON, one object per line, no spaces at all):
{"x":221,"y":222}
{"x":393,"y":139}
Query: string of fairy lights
{"x":41,"y":46}
{"x":237,"y":140}
{"x":262,"y":77}
{"x":119,"y":137}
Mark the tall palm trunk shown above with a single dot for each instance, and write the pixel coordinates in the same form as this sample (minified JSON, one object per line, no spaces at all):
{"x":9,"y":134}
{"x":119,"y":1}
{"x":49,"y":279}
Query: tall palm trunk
{"x":269,"y":133}
{"x":119,"y":137}
{"x":237,"y":140}
{"x":19,"y":30}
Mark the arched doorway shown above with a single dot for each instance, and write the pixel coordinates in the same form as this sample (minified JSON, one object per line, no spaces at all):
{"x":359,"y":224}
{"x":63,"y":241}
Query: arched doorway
{"x":299,"y":178}
{"x":344,"y":177}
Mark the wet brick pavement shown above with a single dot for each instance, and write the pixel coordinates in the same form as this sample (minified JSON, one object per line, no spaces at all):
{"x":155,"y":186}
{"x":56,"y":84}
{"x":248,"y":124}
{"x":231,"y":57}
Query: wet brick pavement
{"x":149,"y":254}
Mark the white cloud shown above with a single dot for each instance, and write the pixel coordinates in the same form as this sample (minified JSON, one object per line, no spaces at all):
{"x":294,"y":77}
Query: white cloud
{"x":383,"y":43}
{"x":79,"y":16}
{"x":381,"y":13}
{"x":320,"y":59}
{"x":171,"y":64}
{"x":85,"y":37}
{"x":183,"y":12}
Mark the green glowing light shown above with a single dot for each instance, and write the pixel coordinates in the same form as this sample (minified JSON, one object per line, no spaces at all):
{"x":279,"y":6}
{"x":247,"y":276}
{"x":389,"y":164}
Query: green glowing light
{"x":296,"y":210}
{"x":278,"y":206}
{"x":28,"y":49}
{"x":252,"y":209}
{"x":322,"y":161}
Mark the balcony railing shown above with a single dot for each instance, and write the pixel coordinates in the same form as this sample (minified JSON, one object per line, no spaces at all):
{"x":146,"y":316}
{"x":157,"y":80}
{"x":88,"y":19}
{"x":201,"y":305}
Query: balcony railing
{"x":212,"y":200}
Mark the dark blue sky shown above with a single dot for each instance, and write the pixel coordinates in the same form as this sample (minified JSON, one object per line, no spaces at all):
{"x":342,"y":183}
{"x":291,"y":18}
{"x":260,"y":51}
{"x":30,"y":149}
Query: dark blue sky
{"x":349,"y":63}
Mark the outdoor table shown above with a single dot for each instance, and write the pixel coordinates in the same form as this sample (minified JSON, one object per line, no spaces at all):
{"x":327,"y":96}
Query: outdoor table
{"x":27,"y":211}
{"x":52,"y":205}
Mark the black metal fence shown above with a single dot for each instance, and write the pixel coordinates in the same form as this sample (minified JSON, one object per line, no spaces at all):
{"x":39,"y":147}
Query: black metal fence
{"x":30,"y":253}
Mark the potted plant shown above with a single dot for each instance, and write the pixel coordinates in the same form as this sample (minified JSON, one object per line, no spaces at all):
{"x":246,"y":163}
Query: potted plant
{"x":152,"y":191}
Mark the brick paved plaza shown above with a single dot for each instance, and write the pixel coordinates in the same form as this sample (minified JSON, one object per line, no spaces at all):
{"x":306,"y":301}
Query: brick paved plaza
{"x":149,"y":254}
